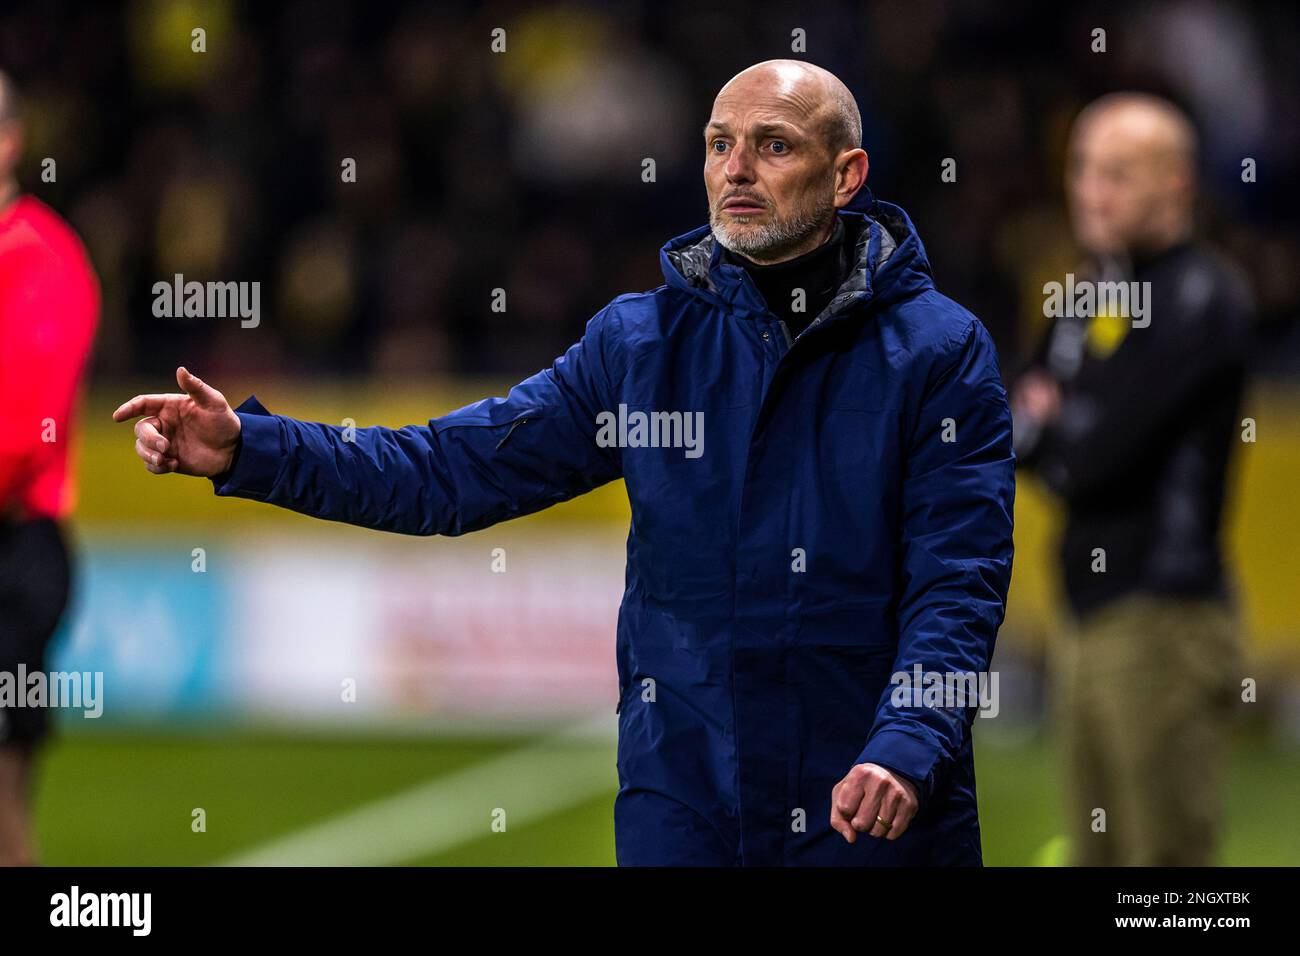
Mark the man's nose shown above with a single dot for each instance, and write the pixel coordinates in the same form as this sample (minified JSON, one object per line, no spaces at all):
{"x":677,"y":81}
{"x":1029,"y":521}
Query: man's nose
{"x":740,"y":166}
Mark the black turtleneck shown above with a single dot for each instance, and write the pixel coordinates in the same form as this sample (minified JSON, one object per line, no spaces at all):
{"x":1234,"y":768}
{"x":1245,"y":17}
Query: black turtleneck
{"x":819,"y":273}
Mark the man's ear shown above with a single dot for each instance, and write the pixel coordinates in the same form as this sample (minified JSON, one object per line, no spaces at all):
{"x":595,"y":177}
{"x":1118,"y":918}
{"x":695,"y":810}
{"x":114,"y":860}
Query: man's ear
{"x":850,"y":175}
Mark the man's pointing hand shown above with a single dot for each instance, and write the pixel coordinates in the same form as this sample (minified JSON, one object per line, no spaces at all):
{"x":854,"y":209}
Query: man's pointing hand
{"x":194,"y":433}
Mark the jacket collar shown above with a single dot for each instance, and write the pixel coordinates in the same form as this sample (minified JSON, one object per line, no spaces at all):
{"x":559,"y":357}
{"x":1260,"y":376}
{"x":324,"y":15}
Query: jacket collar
{"x":879,"y":232}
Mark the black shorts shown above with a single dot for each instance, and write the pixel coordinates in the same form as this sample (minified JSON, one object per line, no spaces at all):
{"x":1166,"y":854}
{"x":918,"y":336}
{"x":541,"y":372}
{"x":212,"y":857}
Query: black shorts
{"x":35,"y":579}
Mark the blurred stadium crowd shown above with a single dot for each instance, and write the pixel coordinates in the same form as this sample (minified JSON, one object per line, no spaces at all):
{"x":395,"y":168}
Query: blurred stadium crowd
{"x":523,"y":170}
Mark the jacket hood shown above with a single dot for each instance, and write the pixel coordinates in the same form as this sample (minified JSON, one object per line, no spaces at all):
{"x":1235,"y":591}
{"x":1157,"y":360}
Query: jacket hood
{"x":889,"y":264}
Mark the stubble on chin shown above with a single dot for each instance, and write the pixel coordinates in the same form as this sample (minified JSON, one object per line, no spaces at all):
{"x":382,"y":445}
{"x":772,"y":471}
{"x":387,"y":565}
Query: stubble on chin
{"x":772,"y":239}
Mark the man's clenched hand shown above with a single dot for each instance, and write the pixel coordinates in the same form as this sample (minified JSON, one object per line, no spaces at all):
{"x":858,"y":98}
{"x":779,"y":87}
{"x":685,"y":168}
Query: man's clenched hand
{"x":194,"y":433}
{"x":868,"y":794}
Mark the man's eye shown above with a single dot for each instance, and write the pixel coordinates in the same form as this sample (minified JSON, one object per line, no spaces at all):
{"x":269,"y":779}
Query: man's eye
{"x":778,"y":146}
{"x":717,"y":143}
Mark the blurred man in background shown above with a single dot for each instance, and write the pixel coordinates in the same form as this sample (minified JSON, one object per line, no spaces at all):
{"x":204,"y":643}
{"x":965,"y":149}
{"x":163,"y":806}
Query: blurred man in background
{"x":49,"y":306}
{"x":1131,"y":422}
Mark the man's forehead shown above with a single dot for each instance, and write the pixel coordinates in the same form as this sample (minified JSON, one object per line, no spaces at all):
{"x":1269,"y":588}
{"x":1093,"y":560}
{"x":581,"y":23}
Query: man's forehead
{"x":1119,"y":143}
{"x":769,"y":110}
{"x":759,"y":122}
{"x":1129,"y":127}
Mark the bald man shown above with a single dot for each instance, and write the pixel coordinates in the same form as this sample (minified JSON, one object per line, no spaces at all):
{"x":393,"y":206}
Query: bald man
{"x":816,"y":446}
{"x":1132,"y":422}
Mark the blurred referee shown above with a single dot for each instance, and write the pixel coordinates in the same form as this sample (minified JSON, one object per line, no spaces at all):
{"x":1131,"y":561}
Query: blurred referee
{"x":1133,"y":427}
{"x":49,"y":306}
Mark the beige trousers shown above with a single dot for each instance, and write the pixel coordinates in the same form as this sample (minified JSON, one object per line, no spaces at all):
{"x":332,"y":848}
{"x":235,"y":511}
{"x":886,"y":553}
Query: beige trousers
{"x":1145,"y":690}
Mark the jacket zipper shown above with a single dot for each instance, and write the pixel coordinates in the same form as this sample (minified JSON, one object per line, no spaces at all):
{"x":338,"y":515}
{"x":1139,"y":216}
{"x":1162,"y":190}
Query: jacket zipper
{"x":513,"y":425}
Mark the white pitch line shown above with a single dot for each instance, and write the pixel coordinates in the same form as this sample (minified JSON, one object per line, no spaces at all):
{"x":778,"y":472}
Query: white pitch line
{"x":455,"y":808}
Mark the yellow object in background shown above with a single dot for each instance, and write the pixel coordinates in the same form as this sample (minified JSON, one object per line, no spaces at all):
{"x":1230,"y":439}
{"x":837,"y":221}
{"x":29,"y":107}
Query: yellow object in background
{"x":1105,"y":333}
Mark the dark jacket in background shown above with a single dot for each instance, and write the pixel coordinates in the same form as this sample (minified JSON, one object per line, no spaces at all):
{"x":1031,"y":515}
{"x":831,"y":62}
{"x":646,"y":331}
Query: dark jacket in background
{"x":1140,"y":450}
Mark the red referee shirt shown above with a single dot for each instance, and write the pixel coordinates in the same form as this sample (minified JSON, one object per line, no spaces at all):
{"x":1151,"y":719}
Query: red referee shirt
{"x":49,"y":307}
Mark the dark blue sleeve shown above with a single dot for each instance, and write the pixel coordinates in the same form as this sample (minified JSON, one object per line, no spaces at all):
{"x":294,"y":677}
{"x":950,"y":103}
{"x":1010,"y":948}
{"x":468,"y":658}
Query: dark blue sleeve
{"x":956,"y":554}
{"x":496,"y":459}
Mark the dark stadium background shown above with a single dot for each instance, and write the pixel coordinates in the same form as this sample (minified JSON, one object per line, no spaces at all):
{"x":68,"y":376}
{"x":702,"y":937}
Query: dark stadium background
{"x":522,"y":171}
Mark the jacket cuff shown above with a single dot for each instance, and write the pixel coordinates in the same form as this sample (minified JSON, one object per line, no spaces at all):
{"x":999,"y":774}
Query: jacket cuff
{"x":259,"y":458}
{"x":901,"y":752}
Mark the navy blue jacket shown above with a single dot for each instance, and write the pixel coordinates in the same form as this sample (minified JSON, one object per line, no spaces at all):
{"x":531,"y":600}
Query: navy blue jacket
{"x":846,"y":517}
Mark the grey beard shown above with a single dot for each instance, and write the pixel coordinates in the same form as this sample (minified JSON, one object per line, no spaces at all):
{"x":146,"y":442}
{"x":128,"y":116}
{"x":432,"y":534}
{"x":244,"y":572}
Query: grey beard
{"x":773,"y":240}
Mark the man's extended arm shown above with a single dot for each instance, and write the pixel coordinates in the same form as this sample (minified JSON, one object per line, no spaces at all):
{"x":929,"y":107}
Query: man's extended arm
{"x":496,"y":459}
{"x":488,"y":462}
